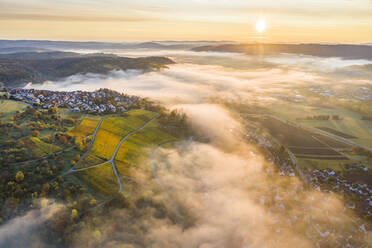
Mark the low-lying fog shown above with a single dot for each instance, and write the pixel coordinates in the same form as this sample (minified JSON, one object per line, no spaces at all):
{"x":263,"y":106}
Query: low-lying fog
{"x":231,"y":193}
{"x":200,"y":75}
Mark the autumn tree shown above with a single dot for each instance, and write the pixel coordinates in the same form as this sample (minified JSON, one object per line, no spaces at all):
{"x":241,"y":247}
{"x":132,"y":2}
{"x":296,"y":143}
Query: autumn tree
{"x":53,"y":110}
{"x":19,"y":176}
{"x":35,"y":133}
{"x":62,"y":139}
{"x":74,"y":214}
{"x":21,"y":143}
{"x":79,"y":144}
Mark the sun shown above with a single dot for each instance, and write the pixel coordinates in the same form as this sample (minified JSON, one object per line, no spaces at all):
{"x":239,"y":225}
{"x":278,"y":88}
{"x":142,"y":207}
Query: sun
{"x":260,"y":26}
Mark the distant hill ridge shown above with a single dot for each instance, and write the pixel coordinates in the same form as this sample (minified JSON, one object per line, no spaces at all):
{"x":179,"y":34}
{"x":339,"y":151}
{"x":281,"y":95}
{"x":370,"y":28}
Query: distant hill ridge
{"x":321,"y":50}
{"x":18,"y":69}
{"x":23,"y":45}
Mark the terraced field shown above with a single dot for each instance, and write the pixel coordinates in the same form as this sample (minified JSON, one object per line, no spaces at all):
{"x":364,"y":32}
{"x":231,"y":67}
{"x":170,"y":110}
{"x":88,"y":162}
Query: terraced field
{"x":89,"y":160}
{"x":114,"y":128}
{"x":85,"y":128}
{"x":118,"y":144}
{"x":131,"y":150}
{"x":100,"y":178}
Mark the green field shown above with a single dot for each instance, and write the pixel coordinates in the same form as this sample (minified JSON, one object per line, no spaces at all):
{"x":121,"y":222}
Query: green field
{"x":113,"y":129}
{"x":9,"y":108}
{"x":123,"y":168}
{"x":39,"y":148}
{"x":350,"y":127}
{"x":351,"y":123}
{"x":101,"y":178}
{"x":134,"y":150}
{"x":134,"y":146}
{"x":361,"y":129}
{"x":89,"y":160}
{"x":141,"y":112}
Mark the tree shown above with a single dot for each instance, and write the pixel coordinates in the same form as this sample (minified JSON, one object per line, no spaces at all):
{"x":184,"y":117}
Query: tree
{"x":62,"y":139}
{"x":79,"y":144}
{"x":35,"y":133}
{"x":53,"y":110}
{"x":45,"y":189}
{"x":92,"y":202}
{"x":21,"y":143}
{"x":74,"y":214}
{"x":19,"y":176}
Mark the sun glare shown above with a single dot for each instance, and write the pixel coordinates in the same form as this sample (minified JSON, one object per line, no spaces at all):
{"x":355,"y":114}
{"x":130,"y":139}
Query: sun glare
{"x":260,"y":26}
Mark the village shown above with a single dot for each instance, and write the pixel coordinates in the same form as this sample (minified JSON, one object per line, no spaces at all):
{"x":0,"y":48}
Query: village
{"x":320,"y":179}
{"x":97,"y":102}
{"x":325,"y":180}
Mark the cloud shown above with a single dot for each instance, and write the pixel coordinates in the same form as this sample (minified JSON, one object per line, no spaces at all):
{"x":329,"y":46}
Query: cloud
{"x":23,"y":231}
{"x":188,"y":83}
{"x":223,"y":193}
{"x":70,"y":18}
{"x":228,"y":199}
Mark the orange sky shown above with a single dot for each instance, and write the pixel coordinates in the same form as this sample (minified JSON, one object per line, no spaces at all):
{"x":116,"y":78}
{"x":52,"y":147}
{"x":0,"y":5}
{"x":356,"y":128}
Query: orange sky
{"x":341,"y":21}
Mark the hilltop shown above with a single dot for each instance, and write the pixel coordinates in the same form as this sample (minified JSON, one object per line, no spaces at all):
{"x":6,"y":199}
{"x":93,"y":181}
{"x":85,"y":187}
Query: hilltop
{"x":321,"y":50}
{"x":18,"y":69}
{"x":87,"y":160}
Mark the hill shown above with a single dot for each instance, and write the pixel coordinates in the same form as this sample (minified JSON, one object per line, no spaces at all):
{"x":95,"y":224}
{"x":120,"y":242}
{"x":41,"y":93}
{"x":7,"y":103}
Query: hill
{"x":29,"y":45}
{"x":18,"y":69}
{"x":320,"y":50}
{"x":88,"y":160}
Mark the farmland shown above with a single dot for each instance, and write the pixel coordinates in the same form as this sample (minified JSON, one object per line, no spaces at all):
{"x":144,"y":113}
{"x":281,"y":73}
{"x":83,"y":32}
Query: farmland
{"x":100,"y":178}
{"x":113,"y":129}
{"x":349,"y":126}
{"x":89,"y":160}
{"x":120,"y":144}
{"x":310,"y":149}
{"x":39,"y":148}
{"x":132,"y":148}
{"x":298,"y":140}
{"x":85,"y":128}
{"x":9,"y":108}
{"x":338,"y":133}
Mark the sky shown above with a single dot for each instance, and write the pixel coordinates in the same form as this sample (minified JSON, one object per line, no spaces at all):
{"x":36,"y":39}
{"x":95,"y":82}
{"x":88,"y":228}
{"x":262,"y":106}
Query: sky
{"x":333,"y":21}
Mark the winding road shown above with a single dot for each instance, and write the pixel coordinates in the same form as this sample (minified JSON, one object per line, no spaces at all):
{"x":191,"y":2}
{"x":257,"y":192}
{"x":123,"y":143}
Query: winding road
{"x":112,"y":159}
{"x":89,"y":148}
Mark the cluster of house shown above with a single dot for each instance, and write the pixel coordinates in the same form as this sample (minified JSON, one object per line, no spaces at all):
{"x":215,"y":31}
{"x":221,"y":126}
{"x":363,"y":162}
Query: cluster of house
{"x":289,"y":98}
{"x":355,"y":167}
{"x":101,"y":101}
{"x":361,"y":93}
{"x":322,"y":92}
{"x":317,"y":178}
{"x":262,"y":142}
{"x":342,"y":185}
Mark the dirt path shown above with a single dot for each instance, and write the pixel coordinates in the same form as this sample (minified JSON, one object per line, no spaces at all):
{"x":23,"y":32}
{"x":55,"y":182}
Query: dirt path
{"x":112,"y":159}
{"x":89,"y":148}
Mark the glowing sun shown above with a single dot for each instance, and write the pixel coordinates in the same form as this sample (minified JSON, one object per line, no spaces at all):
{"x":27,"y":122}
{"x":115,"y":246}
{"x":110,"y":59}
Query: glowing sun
{"x":260,"y":26}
